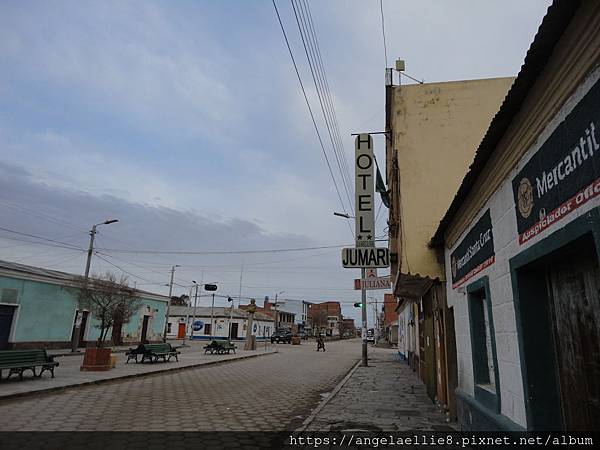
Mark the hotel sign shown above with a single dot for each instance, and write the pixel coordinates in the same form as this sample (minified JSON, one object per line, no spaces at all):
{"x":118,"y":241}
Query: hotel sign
{"x":365,"y":254}
{"x":474,"y":253}
{"x":364,"y":191}
{"x":564,"y":173}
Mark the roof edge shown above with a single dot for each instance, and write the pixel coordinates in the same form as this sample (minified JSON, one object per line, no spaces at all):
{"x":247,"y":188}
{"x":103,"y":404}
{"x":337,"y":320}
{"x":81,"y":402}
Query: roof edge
{"x":550,"y":31}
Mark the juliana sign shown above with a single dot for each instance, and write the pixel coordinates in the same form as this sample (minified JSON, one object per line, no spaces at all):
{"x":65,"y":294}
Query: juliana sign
{"x":564,"y":174}
{"x":474,"y":253}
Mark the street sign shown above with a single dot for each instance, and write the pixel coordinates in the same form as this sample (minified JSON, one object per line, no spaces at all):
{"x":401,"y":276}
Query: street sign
{"x":373,"y":283}
{"x":364,"y":187}
{"x":370,"y":257}
{"x":370,"y":273}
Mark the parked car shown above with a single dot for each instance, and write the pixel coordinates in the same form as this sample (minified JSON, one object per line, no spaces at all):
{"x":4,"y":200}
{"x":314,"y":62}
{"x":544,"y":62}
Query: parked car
{"x":303,"y":335}
{"x":284,"y":336}
{"x":371,"y":335}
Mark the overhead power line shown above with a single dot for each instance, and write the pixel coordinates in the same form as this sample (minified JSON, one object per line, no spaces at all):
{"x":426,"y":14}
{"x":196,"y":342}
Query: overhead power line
{"x":227,"y":252}
{"x":383,"y":33}
{"x":310,"y":111}
{"x":315,"y":63}
{"x":33,"y":236}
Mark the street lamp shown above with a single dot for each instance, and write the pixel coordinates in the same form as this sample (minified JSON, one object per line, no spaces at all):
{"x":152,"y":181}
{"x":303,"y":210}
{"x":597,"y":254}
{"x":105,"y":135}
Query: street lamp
{"x":91,"y":247}
{"x":213,"y":288}
{"x":363,"y":294}
{"x":344,"y":215}
{"x":194,"y":311}
{"x":78,"y":316}
{"x":229,"y":300}
{"x":377,"y":325}
{"x":169,"y":302}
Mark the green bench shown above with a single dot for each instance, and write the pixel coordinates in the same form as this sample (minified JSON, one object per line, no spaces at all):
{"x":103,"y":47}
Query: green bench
{"x":17,"y":361}
{"x":219,"y":347}
{"x":153,"y":352}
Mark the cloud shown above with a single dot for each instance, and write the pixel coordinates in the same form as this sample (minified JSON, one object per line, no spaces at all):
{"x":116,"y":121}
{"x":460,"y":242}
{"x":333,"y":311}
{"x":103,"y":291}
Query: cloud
{"x":66,"y":215}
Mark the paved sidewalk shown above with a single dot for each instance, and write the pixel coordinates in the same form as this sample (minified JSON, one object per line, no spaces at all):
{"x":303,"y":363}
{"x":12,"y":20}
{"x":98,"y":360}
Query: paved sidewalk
{"x":67,"y":374}
{"x":386,"y":396}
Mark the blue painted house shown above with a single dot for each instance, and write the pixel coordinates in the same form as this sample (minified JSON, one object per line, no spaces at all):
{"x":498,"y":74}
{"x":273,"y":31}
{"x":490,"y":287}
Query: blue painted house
{"x":38,"y":308}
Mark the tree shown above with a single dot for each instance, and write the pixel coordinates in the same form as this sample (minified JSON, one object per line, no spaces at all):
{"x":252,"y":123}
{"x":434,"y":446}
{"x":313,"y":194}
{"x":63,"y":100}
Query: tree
{"x":182,"y":300}
{"x":110,"y":300}
{"x":319,"y":320}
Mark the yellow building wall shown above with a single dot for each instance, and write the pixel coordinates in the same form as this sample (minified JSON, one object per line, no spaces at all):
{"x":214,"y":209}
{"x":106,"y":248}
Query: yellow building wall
{"x":437,"y":128}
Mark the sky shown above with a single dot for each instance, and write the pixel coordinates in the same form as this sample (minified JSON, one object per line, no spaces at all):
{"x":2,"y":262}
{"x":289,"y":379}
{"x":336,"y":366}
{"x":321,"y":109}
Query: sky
{"x":186,"y":122}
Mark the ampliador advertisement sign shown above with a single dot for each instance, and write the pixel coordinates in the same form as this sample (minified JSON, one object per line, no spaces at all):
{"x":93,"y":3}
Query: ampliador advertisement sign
{"x":474,"y":253}
{"x":565,"y":172}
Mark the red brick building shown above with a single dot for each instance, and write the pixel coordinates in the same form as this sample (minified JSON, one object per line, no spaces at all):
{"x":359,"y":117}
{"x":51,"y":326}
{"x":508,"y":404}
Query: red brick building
{"x":390,"y":314}
{"x":325,"y":318}
{"x":348,"y":328}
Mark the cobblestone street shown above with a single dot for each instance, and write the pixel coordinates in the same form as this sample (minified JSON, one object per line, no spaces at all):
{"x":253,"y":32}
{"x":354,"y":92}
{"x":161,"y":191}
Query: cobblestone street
{"x":272,"y":392}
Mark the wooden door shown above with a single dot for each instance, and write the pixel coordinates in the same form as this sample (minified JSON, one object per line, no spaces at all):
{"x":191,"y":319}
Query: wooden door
{"x":144,"y":329}
{"x":234,"y":331}
{"x":181,"y":331}
{"x":6,"y":319}
{"x":440,"y":358}
{"x":574,"y":290}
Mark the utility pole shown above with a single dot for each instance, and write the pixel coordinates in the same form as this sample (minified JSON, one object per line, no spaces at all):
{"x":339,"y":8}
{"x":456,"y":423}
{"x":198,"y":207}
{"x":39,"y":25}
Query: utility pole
{"x":194,"y":314}
{"x":276,"y":316}
{"x":195,"y":304}
{"x":169,"y":303}
{"x":240,"y":294}
{"x":363,"y":294}
{"x":187,"y":317}
{"x":79,"y":314}
{"x":212,"y":315}
{"x":229,"y":299}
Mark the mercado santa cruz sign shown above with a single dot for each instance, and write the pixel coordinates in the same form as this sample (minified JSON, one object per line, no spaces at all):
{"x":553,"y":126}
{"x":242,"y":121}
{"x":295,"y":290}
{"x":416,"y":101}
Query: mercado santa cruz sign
{"x":474,"y":253}
{"x":564,"y":174}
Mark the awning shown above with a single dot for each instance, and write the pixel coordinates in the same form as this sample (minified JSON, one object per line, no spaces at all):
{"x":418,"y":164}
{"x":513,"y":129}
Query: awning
{"x":412,"y":286}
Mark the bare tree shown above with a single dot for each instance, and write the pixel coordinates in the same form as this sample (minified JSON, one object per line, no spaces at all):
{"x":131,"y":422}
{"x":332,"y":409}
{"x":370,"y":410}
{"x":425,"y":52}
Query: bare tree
{"x":110,"y":300}
{"x":182,"y":300}
{"x":319,"y":320}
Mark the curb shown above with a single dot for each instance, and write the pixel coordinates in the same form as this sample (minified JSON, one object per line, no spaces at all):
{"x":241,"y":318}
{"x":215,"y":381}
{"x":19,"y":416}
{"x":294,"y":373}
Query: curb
{"x":127,"y":377}
{"x":324,"y":402}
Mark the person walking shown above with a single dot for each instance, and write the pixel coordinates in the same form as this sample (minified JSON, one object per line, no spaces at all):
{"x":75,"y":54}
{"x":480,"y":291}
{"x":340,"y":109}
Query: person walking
{"x":320,"y":343}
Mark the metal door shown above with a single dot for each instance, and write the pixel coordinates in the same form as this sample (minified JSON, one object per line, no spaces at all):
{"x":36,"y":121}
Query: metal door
{"x":574,"y":289}
{"x":144,"y":329}
{"x":234,"y":331}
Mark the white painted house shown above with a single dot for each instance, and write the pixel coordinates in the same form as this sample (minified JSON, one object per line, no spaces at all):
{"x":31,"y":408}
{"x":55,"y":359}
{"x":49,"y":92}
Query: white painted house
{"x":215,"y":323}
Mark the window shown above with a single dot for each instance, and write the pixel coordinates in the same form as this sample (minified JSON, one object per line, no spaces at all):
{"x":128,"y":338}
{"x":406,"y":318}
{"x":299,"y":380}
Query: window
{"x":483,"y":344}
{"x":169,"y":327}
{"x":207,"y":328}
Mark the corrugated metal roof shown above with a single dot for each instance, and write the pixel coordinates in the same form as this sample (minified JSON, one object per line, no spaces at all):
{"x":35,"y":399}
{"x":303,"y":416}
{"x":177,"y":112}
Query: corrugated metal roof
{"x":555,"y":22}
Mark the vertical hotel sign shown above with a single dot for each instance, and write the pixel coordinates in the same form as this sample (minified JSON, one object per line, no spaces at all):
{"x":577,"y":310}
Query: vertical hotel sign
{"x":564,"y":174}
{"x":474,"y":253}
{"x":364,"y":192}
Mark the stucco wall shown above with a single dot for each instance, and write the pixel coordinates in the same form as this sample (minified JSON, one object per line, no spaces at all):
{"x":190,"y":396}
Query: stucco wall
{"x":506,"y":245}
{"x":46,"y":313}
{"x":437,"y":127}
{"x":222,"y":328}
